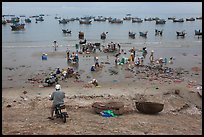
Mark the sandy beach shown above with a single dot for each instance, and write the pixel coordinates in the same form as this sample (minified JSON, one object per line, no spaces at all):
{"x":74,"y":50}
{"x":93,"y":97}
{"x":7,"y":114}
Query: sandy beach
{"x":26,"y":105}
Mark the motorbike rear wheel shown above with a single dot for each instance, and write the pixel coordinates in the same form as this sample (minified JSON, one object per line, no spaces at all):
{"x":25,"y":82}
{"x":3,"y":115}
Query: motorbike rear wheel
{"x":64,"y":118}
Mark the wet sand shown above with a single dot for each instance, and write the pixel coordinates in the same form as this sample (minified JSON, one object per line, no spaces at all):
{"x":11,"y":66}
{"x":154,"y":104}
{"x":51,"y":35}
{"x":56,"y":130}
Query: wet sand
{"x":180,"y":109}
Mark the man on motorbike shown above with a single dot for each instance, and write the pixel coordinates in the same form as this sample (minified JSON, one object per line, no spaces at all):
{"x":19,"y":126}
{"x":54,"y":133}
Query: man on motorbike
{"x":58,"y":98}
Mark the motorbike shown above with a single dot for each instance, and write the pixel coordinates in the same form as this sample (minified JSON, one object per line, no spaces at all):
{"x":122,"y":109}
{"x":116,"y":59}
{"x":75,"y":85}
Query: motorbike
{"x":61,"y":114}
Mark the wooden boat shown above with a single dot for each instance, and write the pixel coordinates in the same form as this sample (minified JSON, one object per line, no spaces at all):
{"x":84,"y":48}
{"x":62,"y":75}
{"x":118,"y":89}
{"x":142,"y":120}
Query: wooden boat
{"x":57,"y":17}
{"x":66,"y":31}
{"x":131,"y":34}
{"x":85,"y":21}
{"x":171,"y":18}
{"x":138,"y":20}
{"x":156,"y":18}
{"x":100,"y":18}
{"x":161,"y":21}
{"x":149,"y":107}
{"x":99,"y":106}
{"x":39,"y":19}
{"x":178,"y":20}
{"x":115,"y":20}
{"x":127,"y":17}
{"x":180,"y":33}
{"x":27,"y":20}
{"x":199,"y":18}
{"x":148,"y":19}
{"x":143,"y":34}
{"x":198,"y":32}
{"x":190,"y":19}
{"x":63,"y":21}
{"x":17,"y":26}
{"x":114,"y":106}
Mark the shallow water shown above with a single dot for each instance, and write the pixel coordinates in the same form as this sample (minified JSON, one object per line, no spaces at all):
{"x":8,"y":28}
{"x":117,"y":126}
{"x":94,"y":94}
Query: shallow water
{"x":26,"y":47}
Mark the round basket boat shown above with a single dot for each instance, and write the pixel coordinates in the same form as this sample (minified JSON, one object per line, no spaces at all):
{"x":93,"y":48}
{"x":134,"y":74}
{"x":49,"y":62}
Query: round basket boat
{"x":99,"y":106}
{"x":149,"y":107}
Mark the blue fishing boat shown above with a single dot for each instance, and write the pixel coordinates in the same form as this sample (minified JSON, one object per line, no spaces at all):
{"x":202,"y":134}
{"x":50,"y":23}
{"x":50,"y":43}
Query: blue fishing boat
{"x":17,"y":26}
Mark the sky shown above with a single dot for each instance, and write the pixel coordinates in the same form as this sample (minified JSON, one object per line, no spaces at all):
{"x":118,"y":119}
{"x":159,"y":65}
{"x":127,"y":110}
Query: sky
{"x":91,"y":8}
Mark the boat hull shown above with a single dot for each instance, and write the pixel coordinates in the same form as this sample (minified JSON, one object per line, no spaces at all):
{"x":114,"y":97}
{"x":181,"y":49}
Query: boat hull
{"x":149,"y":107}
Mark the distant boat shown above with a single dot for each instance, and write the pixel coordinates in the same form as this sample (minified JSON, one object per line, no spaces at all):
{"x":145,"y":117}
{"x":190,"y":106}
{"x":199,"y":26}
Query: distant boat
{"x":115,"y":20}
{"x":63,"y":21}
{"x":100,"y":18}
{"x":161,"y":21}
{"x":57,"y":17}
{"x":190,"y":19}
{"x":128,"y":17}
{"x":171,"y":18}
{"x":15,"y":20}
{"x":85,"y":21}
{"x":138,"y":20}
{"x":148,"y":19}
{"x":17,"y":26}
{"x":22,"y":16}
{"x":27,"y":20}
{"x":143,"y":34}
{"x":198,"y":32}
{"x":39,"y":19}
{"x":178,"y":20}
{"x":66,"y":31}
{"x":199,"y":18}
{"x":156,"y":18}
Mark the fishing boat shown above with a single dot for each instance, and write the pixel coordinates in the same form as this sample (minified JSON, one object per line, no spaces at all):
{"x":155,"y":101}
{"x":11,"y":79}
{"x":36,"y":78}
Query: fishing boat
{"x":57,"y":17}
{"x":198,"y":32}
{"x":131,"y":34}
{"x":100,"y":18}
{"x":15,"y":20}
{"x":156,"y":18}
{"x":17,"y":26}
{"x":115,"y":20}
{"x":128,"y":17}
{"x":138,"y":20}
{"x":178,"y":20}
{"x":149,"y":107}
{"x":181,"y":33}
{"x":39,"y":19}
{"x":143,"y":34}
{"x":86,"y":21}
{"x":171,"y":18}
{"x":199,"y":18}
{"x":27,"y":20}
{"x":63,"y":21}
{"x":161,"y":21}
{"x":66,"y":31}
{"x":190,"y":19}
{"x":148,"y":19}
